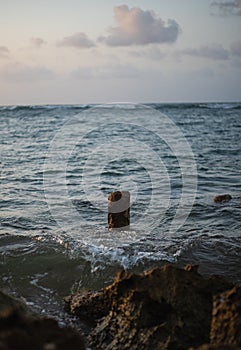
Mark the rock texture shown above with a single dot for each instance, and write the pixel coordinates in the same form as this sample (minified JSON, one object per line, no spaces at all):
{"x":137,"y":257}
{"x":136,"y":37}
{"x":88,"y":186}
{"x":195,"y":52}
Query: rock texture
{"x":226,"y":320}
{"x":163,"y":308}
{"x":19,"y":330}
{"x":87,"y":305}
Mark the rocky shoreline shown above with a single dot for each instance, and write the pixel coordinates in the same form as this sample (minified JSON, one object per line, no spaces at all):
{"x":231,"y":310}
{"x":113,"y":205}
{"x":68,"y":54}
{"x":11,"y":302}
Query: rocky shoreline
{"x":21,"y":330}
{"x":162,"y":308}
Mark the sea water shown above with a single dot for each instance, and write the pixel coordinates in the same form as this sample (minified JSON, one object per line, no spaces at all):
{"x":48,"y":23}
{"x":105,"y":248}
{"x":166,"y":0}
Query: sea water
{"x":58,"y":164}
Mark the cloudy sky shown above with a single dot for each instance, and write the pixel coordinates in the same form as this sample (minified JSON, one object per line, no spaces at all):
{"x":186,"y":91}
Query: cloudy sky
{"x":78,"y":51}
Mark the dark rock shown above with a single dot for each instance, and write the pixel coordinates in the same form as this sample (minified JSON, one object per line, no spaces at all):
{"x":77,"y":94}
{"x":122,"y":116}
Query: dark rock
{"x":216,"y":347}
{"x":226,"y":318}
{"x":87,"y":305}
{"x":119,"y":210}
{"x":163,"y":308}
{"x":6,"y":301}
{"x":19,"y":330}
{"x":222,"y":198}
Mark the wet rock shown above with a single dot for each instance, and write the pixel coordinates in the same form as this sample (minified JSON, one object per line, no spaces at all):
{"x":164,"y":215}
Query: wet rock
{"x":226,"y":318}
{"x":88,"y":305}
{"x":163,"y":308}
{"x":222,"y":198}
{"x":119,"y":210}
{"x":20,"y":330}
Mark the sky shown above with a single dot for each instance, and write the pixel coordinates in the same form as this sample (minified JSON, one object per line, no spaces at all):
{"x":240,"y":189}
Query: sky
{"x":79,"y":52}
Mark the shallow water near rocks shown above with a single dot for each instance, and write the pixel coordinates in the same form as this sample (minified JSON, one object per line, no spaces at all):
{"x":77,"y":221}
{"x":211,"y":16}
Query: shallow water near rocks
{"x":60,"y":162}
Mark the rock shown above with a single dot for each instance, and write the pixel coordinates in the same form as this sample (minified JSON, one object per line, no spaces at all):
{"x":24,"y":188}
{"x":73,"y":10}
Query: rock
{"x":163,"y":308}
{"x":88,"y":305}
{"x":216,"y":347}
{"x":7,"y":302}
{"x":20,"y":330}
{"x":226,"y":318}
{"x":222,"y":198}
{"x":119,"y":210}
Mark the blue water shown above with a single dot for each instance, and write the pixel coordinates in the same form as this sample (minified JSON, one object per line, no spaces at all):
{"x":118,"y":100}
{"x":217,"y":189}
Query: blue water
{"x":58,"y":164}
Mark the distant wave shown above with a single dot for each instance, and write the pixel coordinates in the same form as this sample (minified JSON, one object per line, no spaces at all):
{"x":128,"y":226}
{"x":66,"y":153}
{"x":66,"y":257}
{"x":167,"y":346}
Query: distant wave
{"x":158,"y":106}
{"x":221,"y":105}
{"x":42,"y":107}
{"x":212,"y":105}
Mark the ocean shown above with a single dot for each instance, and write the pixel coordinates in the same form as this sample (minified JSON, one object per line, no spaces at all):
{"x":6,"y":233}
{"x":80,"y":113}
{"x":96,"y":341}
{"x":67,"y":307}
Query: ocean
{"x":60,"y":162}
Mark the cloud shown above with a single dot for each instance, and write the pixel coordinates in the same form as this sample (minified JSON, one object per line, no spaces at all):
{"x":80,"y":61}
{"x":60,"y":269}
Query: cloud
{"x":153,"y":53}
{"x":138,"y":27}
{"x":212,"y":51}
{"x":77,"y":40}
{"x":18,"y":73}
{"x":4,"y":52}
{"x":37,"y":42}
{"x":116,"y":71}
{"x":228,"y":7}
{"x":236,"y":48}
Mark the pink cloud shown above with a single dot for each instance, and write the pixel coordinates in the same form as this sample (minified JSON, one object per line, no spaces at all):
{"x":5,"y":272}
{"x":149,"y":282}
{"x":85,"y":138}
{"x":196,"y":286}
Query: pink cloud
{"x":138,"y":27}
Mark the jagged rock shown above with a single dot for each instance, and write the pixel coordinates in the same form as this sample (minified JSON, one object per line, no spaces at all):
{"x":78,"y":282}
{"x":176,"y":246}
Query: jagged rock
{"x":163,"y":308}
{"x":20,"y":330}
{"x":88,"y":305}
{"x":226,"y":318}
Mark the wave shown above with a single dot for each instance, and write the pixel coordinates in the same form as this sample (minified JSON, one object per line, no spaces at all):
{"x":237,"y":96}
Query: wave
{"x":211,"y":105}
{"x":221,"y":105}
{"x":43,"y":107}
{"x":158,"y":106}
